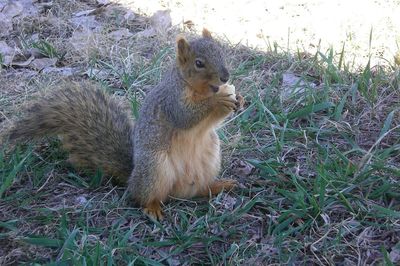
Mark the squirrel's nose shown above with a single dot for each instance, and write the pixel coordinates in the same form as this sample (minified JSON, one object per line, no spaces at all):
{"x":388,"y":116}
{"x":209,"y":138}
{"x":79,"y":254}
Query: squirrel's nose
{"x":225,"y":75}
{"x":224,"y":79}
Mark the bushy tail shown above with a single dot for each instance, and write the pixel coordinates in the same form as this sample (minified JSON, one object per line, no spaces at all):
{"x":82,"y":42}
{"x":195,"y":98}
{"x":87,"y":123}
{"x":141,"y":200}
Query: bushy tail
{"x":94,"y":128}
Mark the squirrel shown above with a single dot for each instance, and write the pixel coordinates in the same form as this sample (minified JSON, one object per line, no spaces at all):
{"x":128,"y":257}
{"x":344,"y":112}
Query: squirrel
{"x":171,"y":150}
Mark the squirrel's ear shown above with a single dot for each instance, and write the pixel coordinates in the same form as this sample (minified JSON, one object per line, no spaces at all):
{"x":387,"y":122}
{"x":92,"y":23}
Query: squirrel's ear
{"x":206,"y":33}
{"x":183,"y":48}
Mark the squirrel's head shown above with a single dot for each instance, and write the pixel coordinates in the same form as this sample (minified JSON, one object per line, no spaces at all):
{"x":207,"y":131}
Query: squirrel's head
{"x":201,"y":63}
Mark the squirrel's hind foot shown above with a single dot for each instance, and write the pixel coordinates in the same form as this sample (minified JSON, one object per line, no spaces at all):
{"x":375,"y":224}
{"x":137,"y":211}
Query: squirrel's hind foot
{"x":154,"y":210}
{"x":219,"y":185}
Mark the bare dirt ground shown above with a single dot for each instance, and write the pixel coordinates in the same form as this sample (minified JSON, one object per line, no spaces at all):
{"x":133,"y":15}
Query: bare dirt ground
{"x":305,"y":25}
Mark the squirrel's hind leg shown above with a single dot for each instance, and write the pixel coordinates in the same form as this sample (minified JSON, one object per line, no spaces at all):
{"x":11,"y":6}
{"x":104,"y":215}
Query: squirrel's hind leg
{"x":217,"y":186}
{"x":152,"y":181}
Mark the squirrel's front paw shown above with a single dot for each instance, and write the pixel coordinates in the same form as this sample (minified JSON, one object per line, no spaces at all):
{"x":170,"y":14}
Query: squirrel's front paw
{"x":154,"y":210}
{"x":225,"y":102}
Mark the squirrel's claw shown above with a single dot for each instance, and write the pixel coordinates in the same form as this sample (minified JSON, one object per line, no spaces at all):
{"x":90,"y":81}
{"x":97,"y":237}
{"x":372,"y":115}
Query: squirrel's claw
{"x":153,"y":210}
{"x":239,"y":102}
{"x":225,"y":102}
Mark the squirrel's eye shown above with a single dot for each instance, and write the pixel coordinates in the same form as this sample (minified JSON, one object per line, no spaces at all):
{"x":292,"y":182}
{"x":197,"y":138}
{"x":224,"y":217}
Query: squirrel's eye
{"x":199,"y":64}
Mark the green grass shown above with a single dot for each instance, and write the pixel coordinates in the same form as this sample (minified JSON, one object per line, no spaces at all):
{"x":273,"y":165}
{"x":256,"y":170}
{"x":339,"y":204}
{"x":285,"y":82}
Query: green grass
{"x":47,"y":49}
{"x":315,"y":191}
{"x":1,"y":61}
{"x":324,"y":188}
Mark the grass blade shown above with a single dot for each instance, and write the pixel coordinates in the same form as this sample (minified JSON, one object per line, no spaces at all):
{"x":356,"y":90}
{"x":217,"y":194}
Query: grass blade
{"x":7,"y":181}
{"x":43,"y":241}
{"x":310,"y":109}
{"x":387,"y":123}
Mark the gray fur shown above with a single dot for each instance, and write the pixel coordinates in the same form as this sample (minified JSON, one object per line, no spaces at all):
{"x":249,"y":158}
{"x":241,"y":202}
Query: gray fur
{"x":98,"y":131}
{"x":166,"y":110}
{"x":95,"y":129}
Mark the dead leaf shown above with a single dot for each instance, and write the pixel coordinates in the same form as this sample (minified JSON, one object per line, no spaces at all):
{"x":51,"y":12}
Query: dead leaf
{"x":103,"y":2}
{"x":161,"y":20}
{"x":44,"y":6}
{"x":97,"y":73}
{"x":292,"y":85}
{"x":64,"y":71}
{"x":86,"y":12}
{"x":23,"y":63}
{"x":129,"y":15}
{"x":12,"y":9}
{"x":6,"y":25}
{"x":41,"y":63}
{"x":394,"y":255}
{"x":89,"y":22}
{"x":34,"y":37}
{"x":20,"y":8}
{"x":150,"y":32}
{"x":290,"y":80}
{"x":229,"y":202}
{"x":120,"y":34}
{"x":7,"y":52}
{"x":173,"y":262}
{"x":82,"y":40}
{"x":242,"y":168}
{"x":35,"y":52}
